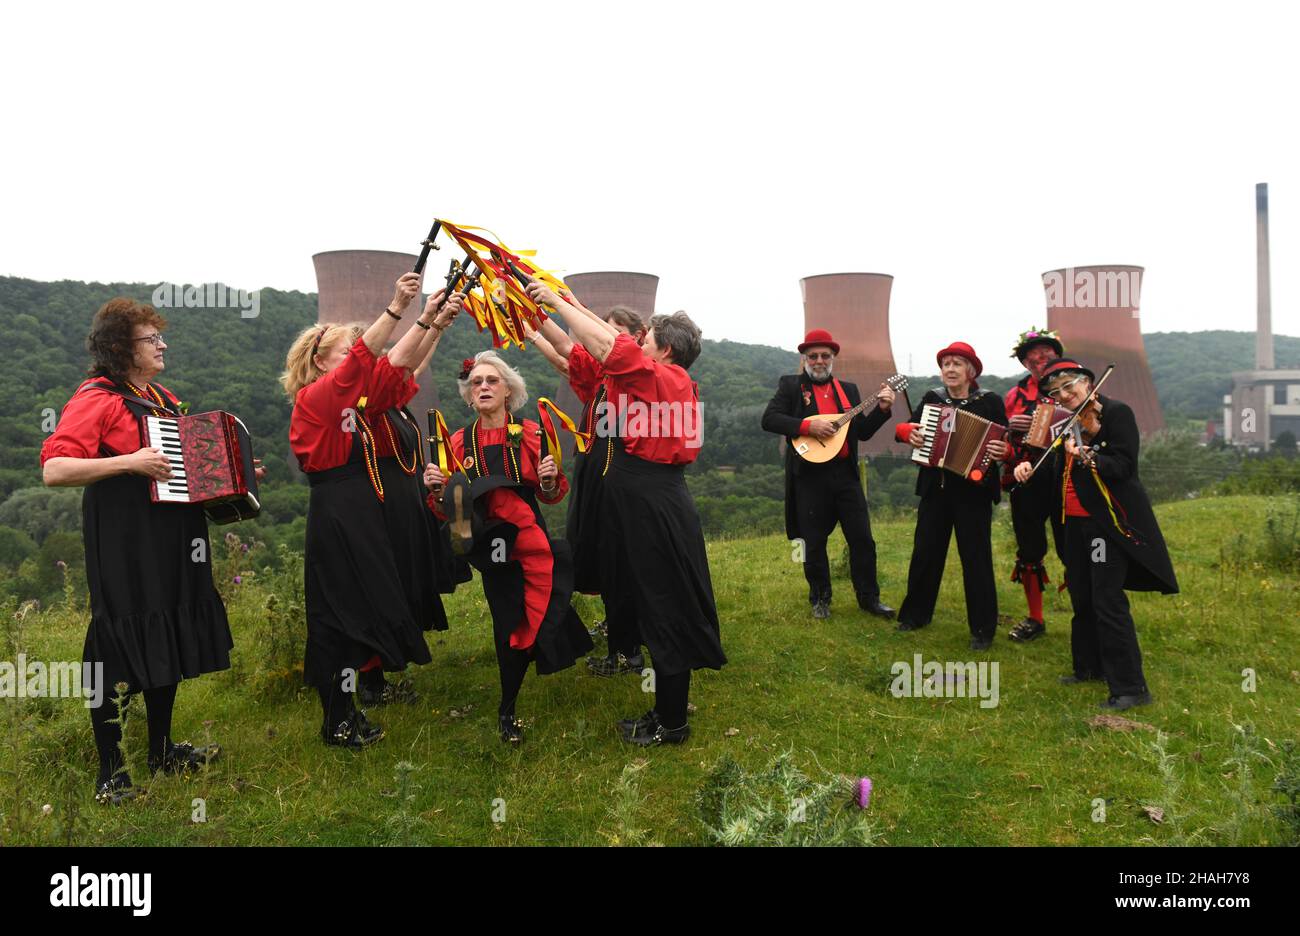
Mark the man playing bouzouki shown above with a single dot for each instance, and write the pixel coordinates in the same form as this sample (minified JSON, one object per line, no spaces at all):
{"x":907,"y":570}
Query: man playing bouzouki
{"x":819,"y":495}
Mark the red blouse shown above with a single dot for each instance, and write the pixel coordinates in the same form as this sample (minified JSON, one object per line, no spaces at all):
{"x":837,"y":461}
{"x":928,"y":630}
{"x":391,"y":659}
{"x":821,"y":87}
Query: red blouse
{"x":383,"y":441}
{"x":584,"y":373}
{"x":320,"y":430}
{"x":95,"y":419}
{"x":642,"y":386}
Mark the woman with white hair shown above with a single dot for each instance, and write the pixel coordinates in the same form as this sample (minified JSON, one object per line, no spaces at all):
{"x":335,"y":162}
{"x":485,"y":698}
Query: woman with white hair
{"x":492,"y":507}
{"x":358,"y":615}
{"x":949,"y":501}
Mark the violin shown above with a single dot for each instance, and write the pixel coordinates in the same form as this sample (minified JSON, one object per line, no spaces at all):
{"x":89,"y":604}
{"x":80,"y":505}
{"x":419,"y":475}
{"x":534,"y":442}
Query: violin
{"x":1085,"y":429}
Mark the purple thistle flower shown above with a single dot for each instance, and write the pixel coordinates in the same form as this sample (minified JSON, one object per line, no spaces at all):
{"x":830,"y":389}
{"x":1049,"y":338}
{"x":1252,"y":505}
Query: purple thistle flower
{"x":864,"y":792}
{"x":239,"y":579}
{"x":243,"y":547}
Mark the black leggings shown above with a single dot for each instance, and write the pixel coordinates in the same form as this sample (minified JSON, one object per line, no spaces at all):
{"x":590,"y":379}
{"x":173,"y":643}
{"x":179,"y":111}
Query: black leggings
{"x":513,"y":665}
{"x":158,"y":704}
{"x":671,"y":694}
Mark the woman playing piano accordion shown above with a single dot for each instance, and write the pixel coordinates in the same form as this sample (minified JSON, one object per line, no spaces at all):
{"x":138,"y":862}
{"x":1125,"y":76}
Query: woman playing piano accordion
{"x":495,"y":518}
{"x":358,"y":616}
{"x":155,"y":616}
{"x":950,"y":501}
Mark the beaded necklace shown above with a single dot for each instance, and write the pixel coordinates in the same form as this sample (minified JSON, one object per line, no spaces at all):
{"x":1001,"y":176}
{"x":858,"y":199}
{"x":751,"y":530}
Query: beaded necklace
{"x":509,"y":457}
{"x":397,"y":449}
{"x":368,"y":450}
{"x":149,"y":393}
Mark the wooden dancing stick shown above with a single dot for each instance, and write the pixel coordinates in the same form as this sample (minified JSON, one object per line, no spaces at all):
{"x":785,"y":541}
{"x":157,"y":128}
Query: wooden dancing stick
{"x":426,"y":245}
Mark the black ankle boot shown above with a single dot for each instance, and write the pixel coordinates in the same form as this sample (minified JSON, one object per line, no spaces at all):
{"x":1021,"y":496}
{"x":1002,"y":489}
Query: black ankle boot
{"x":511,"y":728}
{"x":354,"y":732}
{"x":184,"y":758}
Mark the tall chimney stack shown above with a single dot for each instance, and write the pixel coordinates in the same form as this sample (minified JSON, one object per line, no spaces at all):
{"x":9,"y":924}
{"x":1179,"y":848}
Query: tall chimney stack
{"x":1264,"y":322}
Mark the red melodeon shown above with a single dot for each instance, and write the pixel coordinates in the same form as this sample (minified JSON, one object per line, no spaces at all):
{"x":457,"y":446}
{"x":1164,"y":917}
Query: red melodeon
{"x":212,"y":464}
{"x":956,"y":440}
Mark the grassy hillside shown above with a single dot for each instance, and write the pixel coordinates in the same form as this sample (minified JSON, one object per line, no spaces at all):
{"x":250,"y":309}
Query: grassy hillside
{"x":946,"y":771}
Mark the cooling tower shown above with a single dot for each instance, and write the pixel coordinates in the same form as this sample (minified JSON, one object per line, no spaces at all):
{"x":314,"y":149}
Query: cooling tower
{"x":1095,"y":309}
{"x":600,"y":292}
{"x":854,"y":308}
{"x":356,"y":285}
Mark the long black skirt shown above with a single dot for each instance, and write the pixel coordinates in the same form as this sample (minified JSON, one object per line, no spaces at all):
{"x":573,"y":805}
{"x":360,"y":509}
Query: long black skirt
{"x":356,"y":605}
{"x":155,"y":616}
{"x":561,"y":638}
{"x":660,"y":566}
{"x":582,"y":522}
{"x":417,"y":547}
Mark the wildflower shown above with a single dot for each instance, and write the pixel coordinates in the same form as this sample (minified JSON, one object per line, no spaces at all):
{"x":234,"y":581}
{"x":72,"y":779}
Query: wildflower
{"x":239,"y":579}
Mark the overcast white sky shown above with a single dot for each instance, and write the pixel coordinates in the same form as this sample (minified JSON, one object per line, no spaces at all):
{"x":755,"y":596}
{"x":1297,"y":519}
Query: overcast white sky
{"x":730,"y":148}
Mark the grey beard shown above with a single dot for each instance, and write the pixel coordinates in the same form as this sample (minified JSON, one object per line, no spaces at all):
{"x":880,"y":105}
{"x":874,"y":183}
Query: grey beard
{"x":807,"y":369}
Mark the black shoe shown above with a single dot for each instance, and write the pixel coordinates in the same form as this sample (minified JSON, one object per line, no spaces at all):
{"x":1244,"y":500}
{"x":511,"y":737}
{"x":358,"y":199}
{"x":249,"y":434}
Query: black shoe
{"x":630,"y":726}
{"x":878,"y":608}
{"x":1071,"y":679}
{"x":115,"y":791}
{"x":185,"y":758}
{"x":981,"y":642}
{"x":387,"y":693}
{"x":909,"y":626}
{"x":1122,"y":702}
{"x":354,"y":732}
{"x":459,"y":505}
{"x":649,"y":734}
{"x":599,"y":629}
{"x":616,"y":664}
{"x":511,"y":728}
{"x":821,"y":610}
{"x":1027,"y":630}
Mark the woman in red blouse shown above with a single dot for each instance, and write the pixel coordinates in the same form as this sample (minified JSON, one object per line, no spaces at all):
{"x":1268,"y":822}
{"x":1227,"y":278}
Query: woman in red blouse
{"x":527,"y":577}
{"x":582,"y":523}
{"x":155,"y":616}
{"x":358,"y":616}
{"x":659,"y":565}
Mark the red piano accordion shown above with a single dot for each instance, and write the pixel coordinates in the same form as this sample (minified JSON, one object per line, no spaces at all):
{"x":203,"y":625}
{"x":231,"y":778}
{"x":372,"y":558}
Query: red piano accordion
{"x":956,"y":441}
{"x":212,"y":464}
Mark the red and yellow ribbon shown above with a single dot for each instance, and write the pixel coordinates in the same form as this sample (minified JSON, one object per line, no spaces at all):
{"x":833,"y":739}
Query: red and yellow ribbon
{"x":582,"y":439}
{"x":446,"y":455}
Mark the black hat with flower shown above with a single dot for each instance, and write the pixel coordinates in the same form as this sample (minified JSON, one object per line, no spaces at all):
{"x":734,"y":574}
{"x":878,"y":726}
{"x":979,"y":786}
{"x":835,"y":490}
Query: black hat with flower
{"x":1035,"y":336}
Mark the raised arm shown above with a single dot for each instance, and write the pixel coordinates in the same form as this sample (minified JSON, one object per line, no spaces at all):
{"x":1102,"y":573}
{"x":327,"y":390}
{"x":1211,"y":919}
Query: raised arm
{"x":415,"y":348}
{"x":585,"y":327}
{"x":558,"y":338}
{"x":377,"y":335}
{"x":549,"y":352}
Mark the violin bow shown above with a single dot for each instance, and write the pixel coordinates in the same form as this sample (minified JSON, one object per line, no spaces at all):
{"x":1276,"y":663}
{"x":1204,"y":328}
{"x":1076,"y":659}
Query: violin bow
{"x":1070,"y":423}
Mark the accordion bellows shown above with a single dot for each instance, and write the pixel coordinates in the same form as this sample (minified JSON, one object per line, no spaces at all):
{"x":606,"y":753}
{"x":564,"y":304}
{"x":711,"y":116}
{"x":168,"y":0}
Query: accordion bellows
{"x":956,"y":441}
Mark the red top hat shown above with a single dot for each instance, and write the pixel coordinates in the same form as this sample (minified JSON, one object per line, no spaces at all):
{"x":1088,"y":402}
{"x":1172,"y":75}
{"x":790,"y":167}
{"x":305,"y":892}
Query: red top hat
{"x":819,"y":337}
{"x":961,"y":349}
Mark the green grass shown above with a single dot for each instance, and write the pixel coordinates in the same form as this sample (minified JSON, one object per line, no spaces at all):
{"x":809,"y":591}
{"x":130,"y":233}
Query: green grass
{"x":945,"y":770}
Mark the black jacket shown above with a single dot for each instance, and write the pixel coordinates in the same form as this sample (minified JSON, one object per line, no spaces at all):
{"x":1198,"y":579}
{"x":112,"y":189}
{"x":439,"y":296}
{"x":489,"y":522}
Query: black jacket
{"x":930,"y":481}
{"x":1117,"y":466}
{"x":784,"y":415}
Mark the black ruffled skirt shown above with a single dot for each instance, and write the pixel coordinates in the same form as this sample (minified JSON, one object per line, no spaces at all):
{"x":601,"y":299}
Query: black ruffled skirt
{"x":658,"y":563}
{"x":582,"y":521}
{"x":356,"y":605}
{"x":417,"y":544}
{"x":156,"y":617}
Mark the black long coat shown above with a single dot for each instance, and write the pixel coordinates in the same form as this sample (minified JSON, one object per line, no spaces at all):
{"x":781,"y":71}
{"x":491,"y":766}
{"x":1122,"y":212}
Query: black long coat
{"x":1117,"y":465}
{"x":794,"y":402}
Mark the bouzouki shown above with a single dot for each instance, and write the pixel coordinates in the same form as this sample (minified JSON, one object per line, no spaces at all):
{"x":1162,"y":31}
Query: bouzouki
{"x":817,"y":450}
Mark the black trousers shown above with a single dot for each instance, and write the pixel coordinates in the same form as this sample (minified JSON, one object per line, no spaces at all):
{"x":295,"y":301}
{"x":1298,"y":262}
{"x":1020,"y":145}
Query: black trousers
{"x":1031,"y":509}
{"x":941,"y":511}
{"x":1103,"y":639}
{"x":824,"y":496}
